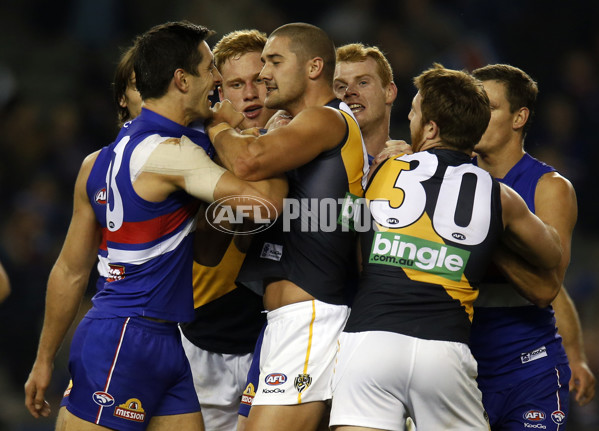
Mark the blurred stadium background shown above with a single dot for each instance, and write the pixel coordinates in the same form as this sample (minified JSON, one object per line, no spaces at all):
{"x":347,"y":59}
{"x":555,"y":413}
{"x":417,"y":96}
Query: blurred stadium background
{"x":56,"y":66}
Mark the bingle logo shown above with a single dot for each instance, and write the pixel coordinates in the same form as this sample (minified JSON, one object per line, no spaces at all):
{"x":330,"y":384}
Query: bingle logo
{"x":103,"y":399}
{"x":229,"y":214}
{"x":275,"y":379}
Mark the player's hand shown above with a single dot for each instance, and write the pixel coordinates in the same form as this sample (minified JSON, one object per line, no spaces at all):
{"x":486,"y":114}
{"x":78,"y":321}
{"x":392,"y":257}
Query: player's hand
{"x":582,"y":382}
{"x":35,"y":389}
{"x":223,"y":112}
{"x":279,"y":119}
{"x":392,"y":148}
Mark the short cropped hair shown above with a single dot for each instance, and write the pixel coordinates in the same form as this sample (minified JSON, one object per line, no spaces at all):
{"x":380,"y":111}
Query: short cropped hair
{"x":162,"y":50}
{"x":355,"y":52}
{"x":521,"y":89}
{"x":237,"y":43}
{"x":457,"y":102}
{"x":308,"y":41}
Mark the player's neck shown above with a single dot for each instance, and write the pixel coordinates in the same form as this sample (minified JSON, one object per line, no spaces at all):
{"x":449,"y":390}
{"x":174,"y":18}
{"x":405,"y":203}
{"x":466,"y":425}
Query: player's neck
{"x":375,"y":137}
{"x":315,"y":95}
{"x":168,"y":109}
{"x":500,"y":162}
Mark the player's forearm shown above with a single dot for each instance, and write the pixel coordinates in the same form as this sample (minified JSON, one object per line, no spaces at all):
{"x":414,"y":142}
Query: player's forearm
{"x":274,"y":190}
{"x":63,"y":297}
{"x":568,"y":326}
{"x":538,"y":285}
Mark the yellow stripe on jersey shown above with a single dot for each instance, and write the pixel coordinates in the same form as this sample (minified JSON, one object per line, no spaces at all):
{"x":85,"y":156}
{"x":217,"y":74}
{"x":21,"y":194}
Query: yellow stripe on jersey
{"x":310,"y":335}
{"x":352,"y":154}
{"x":212,"y":282}
{"x":460,"y":290}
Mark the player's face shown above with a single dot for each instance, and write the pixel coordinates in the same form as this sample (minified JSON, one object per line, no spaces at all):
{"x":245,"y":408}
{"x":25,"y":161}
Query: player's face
{"x":500,"y":130}
{"x":284,"y":76}
{"x":359,"y":85}
{"x":246,"y":90}
{"x":416,"y":127}
{"x":202,"y":87}
{"x":131,"y":99}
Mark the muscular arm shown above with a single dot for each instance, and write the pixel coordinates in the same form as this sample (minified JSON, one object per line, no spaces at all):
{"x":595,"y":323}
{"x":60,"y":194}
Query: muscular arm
{"x":4,"y":284}
{"x":555,"y":204}
{"x":179,"y":164}
{"x":568,"y":325}
{"x":526,"y":234}
{"x":308,"y":134}
{"x":66,"y":287}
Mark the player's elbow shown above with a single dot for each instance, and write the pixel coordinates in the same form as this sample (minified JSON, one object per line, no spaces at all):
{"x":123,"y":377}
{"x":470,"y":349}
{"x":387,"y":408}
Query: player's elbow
{"x":543,"y":297}
{"x":248,"y":170}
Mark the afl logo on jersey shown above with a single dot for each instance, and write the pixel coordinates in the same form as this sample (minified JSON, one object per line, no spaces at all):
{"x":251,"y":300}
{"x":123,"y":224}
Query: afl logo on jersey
{"x":100,"y":197}
{"x":459,"y":236}
{"x":275,"y":379}
{"x":103,"y":399}
{"x":534,"y":415}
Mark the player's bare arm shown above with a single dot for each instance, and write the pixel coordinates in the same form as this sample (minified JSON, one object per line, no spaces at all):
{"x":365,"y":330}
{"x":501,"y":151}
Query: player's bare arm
{"x":526,"y":234}
{"x":179,"y":164}
{"x":555,"y":204}
{"x":66,"y":286}
{"x":308,"y":134}
{"x":583,"y":381}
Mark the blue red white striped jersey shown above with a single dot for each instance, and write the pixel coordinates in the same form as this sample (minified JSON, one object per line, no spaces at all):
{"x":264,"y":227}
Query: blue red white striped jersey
{"x":146,"y":250}
{"x":511,"y":338}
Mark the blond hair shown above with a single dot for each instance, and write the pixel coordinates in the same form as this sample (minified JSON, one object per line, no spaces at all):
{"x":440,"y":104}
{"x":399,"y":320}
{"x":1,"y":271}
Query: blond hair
{"x":354,"y":52}
{"x":237,"y":43}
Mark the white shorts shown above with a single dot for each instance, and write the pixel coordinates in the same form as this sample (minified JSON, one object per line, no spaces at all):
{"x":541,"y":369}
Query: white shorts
{"x":219,"y":381}
{"x":298,"y":353}
{"x":381,"y":378}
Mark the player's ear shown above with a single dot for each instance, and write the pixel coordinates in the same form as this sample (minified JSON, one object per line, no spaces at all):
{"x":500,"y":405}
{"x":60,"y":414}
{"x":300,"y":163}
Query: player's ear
{"x":180,"y":80}
{"x":315,"y":67}
{"x":520,"y":118}
{"x":390,"y":93}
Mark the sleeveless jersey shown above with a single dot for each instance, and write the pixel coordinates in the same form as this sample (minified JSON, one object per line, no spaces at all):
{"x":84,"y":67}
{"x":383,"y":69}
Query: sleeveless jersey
{"x":146,"y":249}
{"x":306,"y":245}
{"x":511,"y":337}
{"x":228,"y":318}
{"x":436,"y":222}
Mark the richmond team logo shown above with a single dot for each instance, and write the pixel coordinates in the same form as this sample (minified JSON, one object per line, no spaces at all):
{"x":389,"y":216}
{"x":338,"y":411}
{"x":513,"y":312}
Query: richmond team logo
{"x":131,"y":410}
{"x":302,"y":382}
{"x":101,"y":197}
{"x":103,"y":399}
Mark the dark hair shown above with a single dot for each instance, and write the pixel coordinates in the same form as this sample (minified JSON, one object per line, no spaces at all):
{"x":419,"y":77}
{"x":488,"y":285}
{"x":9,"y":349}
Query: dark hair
{"x":457,"y":102}
{"x":122,"y":78}
{"x":308,"y":41}
{"x":162,"y":50}
{"x":520,"y":89}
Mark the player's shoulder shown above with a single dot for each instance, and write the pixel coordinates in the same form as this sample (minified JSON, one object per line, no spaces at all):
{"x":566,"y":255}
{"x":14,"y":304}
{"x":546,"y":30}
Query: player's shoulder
{"x":554,"y":183}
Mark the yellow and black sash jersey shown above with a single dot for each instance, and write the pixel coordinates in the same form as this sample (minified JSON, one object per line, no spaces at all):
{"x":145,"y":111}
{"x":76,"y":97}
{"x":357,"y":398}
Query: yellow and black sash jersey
{"x":436,"y":220}
{"x":228,"y":318}
{"x":307,"y":245}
